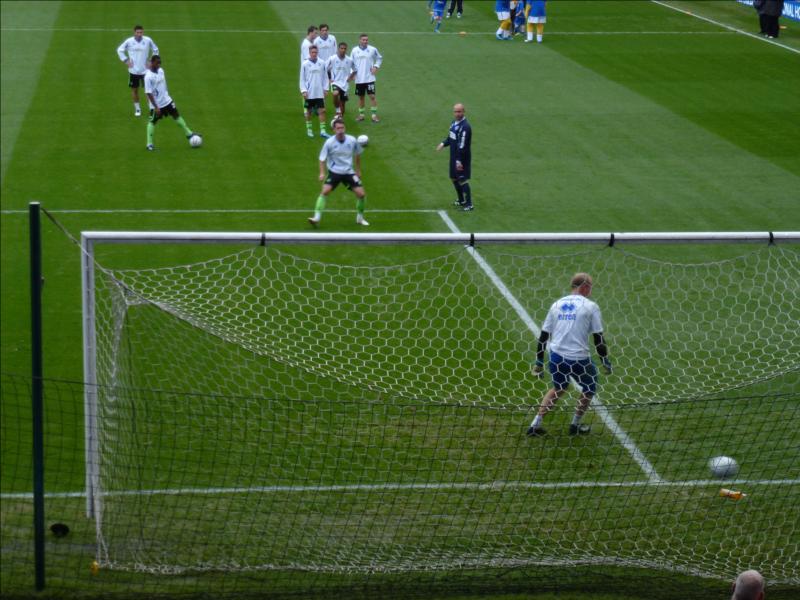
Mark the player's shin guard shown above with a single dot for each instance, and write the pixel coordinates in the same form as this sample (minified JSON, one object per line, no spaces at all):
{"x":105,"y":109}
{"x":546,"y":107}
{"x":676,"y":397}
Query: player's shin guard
{"x":361,"y":203}
{"x":320,"y":206}
{"x":151,"y":130}
{"x":183,"y":125}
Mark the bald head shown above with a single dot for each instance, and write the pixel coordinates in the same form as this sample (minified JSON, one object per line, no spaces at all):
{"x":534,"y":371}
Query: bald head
{"x":458,"y":111}
{"x":749,"y":586}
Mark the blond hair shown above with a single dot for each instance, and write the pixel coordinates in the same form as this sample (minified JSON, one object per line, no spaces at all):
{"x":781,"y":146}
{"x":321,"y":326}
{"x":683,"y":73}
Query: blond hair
{"x":580,"y":279}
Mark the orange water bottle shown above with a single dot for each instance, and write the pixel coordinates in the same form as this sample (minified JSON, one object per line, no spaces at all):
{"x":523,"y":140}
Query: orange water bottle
{"x":732,"y":494}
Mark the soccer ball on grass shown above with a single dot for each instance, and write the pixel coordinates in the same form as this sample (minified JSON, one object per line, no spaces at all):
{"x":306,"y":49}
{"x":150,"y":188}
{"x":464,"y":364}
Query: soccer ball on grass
{"x":362,"y":140}
{"x":195,"y":141}
{"x":723,"y":467}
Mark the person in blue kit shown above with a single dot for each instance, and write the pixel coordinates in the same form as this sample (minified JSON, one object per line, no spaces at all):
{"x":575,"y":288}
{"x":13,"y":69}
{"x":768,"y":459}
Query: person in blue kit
{"x":459,"y":139}
{"x":537,"y":17}
{"x":437,"y":14}
{"x":502,"y":9}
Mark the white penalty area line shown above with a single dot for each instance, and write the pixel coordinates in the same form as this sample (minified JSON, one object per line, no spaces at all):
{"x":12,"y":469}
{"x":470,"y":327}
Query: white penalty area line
{"x":426,"y":32}
{"x":608,"y":420}
{"x":199,"y":211}
{"x":725,"y":26}
{"x":493,"y":486}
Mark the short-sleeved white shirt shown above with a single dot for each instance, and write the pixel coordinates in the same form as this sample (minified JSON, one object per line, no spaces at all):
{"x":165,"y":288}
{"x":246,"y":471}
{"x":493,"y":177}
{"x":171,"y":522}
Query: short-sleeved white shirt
{"x":340,"y":156}
{"x":340,"y":70}
{"x":156,"y":84}
{"x":327,"y":47}
{"x":569,"y":322}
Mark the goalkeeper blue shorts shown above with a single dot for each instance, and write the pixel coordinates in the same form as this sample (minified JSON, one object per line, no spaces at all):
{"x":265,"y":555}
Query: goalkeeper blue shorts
{"x":583,"y":371}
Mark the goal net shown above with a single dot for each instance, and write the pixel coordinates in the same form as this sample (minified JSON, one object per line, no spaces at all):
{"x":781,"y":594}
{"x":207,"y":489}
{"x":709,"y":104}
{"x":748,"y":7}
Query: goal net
{"x":363,"y":409}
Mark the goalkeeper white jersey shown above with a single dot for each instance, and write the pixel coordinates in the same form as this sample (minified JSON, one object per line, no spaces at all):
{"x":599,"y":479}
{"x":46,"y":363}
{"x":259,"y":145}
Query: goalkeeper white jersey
{"x":569,"y":322}
{"x":340,"y":70}
{"x":339,"y":156}
{"x":363,"y":61}
{"x":139,"y":52}
{"x":314,"y":78}
{"x":156,"y":84}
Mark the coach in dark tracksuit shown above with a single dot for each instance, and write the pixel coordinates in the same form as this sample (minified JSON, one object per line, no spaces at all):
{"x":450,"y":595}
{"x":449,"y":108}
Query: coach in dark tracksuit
{"x":459,"y":139}
{"x":769,"y":11}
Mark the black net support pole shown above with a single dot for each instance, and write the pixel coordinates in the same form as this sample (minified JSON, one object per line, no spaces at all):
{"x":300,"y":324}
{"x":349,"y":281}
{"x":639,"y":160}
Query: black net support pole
{"x":37,"y":396}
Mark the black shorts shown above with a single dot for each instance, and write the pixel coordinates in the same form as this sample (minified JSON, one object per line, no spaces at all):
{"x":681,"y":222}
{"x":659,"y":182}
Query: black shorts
{"x":170,"y":110}
{"x":349,"y":180}
{"x":312,"y":103}
{"x":134,"y":81}
{"x":365,"y":88}
{"x":337,"y":91}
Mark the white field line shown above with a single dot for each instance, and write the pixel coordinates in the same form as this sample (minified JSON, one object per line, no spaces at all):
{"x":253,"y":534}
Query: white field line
{"x":339,"y":33}
{"x":728,"y":27}
{"x":168,"y":211}
{"x":495,"y":486}
{"x":602,"y":412}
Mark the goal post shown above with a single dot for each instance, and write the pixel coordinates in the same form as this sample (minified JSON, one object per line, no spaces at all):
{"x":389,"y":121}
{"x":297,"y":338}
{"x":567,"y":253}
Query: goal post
{"x":371,"y":418}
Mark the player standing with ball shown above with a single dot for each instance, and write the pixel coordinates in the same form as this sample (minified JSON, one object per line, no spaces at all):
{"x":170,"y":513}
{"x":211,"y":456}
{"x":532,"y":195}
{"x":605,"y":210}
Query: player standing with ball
{"x":569,"y":321}
{"x":155,"y":86}
{"x":341,"y":155}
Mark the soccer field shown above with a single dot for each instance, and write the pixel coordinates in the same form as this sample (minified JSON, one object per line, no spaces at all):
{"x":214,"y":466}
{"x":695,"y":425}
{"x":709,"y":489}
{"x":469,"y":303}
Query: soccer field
{"x":631,"y":116}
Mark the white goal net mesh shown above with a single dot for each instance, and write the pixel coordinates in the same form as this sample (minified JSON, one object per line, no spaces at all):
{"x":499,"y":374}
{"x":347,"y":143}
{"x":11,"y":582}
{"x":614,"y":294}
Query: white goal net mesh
{"x":266,"y":410}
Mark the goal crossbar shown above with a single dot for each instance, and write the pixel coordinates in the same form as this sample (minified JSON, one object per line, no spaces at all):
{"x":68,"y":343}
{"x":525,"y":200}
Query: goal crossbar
{"x":262,"y":238}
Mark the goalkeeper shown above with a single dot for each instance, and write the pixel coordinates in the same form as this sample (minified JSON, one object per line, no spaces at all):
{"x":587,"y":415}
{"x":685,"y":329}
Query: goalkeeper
{"x":569,"y":322}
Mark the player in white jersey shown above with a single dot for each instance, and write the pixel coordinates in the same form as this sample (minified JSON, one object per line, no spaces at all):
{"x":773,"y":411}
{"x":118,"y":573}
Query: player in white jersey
{"x":308,"y":41}
{"x":366,"y":62}
{"x":155,"y":86}
{"x":326,"y":42}
{"x":340,"y":72}
{"x":314,"y":86}
{"x":135,"y":53}
{"x":569,"y":322}
{"x":341,"y":156}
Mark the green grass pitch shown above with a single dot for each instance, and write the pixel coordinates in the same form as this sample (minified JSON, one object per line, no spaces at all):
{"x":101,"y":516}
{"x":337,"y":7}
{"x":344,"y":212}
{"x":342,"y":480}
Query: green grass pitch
{"x":631,"y":116}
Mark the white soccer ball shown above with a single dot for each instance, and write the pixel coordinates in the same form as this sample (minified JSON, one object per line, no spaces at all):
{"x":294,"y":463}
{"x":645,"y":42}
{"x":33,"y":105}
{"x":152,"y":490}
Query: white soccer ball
{"x":195,"y":141}
{"x":362,"y":140}
{"x":723,"y":467}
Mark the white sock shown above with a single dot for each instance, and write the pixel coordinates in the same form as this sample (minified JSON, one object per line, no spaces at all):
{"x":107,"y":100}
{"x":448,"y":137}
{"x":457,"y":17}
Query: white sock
{"x":499,"y":31}
{"x":530,"y":36}
{"x":538,"y":38}
{"x":576,"y":420}
{"x":136,"y":106}
{"x":537,"y":422}
{"x":317,"y":215}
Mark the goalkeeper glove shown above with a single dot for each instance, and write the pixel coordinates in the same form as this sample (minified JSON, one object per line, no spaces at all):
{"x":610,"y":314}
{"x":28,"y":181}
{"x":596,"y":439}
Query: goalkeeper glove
{"x":538,"y":369}
{"x":607,"y":365}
